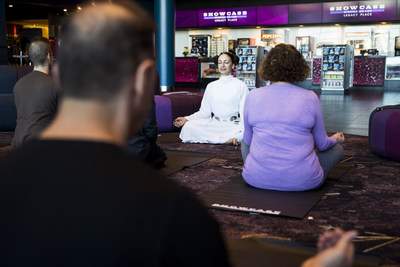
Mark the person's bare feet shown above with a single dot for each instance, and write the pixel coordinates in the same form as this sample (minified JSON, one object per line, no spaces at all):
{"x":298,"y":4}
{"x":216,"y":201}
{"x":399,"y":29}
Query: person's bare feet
{"x":232,"y":141}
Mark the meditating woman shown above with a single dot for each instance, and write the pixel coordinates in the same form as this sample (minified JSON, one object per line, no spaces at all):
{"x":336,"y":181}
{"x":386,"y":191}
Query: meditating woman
{"x":219,"y":119}
{"x":283,"y":126}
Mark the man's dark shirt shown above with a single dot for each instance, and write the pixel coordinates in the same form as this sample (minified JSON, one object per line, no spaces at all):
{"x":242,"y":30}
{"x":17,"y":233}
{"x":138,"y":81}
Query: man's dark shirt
{"x":36,"y":99}
{"x":78,"y":203}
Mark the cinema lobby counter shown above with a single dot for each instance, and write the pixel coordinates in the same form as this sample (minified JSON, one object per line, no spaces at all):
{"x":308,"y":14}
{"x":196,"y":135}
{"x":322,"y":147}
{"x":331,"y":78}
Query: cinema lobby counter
{"x":370,"y":72}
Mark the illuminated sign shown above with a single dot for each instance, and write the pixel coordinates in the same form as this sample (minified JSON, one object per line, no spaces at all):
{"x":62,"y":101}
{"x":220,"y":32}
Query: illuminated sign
{"x":269,"y":36}
{"x":359,"y":11}
{"x":237,"y":16}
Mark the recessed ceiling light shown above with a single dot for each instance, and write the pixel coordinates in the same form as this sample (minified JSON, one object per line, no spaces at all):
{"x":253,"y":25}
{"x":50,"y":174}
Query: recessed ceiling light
{"x":10,"y":6}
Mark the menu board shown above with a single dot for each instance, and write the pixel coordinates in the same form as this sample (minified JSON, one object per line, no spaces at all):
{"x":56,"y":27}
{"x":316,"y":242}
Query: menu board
{"x":305,"y":13}
{"x":235,"y":16}
{"x":185,"y":18}
{"x":272,"y":15}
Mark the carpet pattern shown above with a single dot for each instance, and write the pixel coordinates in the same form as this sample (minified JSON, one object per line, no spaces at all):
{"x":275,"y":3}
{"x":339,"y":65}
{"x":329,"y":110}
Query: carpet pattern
{"x":366,"y":198}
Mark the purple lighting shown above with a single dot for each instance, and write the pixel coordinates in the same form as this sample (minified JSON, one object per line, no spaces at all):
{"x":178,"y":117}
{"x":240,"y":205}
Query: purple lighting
{"x":270,"y":15}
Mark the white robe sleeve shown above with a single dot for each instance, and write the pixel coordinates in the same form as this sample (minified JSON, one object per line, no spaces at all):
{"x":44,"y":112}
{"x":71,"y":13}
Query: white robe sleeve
{"x":205,"y":107}
{"x":244,"y":93}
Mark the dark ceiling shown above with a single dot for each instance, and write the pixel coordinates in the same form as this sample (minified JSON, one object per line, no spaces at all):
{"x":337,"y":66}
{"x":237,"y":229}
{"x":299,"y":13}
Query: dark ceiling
{"x":40,"y":9}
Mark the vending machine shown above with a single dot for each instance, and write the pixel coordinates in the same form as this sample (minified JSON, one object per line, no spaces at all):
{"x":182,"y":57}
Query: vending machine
{"x":337,"y":68}
{"x":250,"y":57}
{"x":200,"y":45}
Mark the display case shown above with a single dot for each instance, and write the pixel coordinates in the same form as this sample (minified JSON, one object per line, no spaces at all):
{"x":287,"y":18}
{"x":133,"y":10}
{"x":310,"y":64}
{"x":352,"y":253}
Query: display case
{"x":219,"y":44}
{"x":200,"y":45}
{"x":250,"y":58}
{"x":337,"y":68}
{"x":305,"y":45}
{"x":392,"y":68}
{"x":208,"y":69}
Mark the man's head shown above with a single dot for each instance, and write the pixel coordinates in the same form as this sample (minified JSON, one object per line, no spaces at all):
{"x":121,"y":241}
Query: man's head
{"x":105,"y":59}
{"x":40,"y":52}
{"x":101,"y":48}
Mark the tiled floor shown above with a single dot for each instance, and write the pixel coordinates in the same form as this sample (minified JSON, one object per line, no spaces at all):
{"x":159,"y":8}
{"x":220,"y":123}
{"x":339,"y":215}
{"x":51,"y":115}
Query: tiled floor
{"x":349,"y":113}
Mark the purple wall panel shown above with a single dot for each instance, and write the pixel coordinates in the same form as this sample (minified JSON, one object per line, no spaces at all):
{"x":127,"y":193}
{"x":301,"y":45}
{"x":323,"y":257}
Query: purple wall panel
{"x":269,"y":15}
{"x":369,"y":71}
{"x":185,"y":18}
{"x":186,"y":70}
{"x":305,"y":13}
{"x":316,"y":71}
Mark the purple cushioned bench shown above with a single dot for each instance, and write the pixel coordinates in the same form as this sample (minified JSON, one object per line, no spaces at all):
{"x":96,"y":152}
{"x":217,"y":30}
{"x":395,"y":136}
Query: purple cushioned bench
{"x":384,"y":132}
{"x":169,"y":106}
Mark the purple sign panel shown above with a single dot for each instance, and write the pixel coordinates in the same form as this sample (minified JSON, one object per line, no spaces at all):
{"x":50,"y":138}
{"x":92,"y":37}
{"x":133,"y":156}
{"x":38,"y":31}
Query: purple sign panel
{"x":377,"y":10}
{"x":241,"y":16}
{"x":359,"y":11}
{"x":185,"y":18}
{"x":212,"y":17}
{"x":270,"y":15}
{"x":305,"y":13}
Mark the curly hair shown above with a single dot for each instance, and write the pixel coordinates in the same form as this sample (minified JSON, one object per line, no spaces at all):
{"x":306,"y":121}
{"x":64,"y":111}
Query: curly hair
{"x":284,"y":63}
{"x":234,"y":58}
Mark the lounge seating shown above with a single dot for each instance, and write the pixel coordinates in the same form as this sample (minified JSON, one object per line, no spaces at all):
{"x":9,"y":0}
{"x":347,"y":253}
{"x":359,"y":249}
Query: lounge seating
{"x":9,"y":75}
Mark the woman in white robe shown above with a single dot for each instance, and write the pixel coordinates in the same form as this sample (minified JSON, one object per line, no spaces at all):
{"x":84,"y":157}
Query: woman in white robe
{"x":220,"y":118}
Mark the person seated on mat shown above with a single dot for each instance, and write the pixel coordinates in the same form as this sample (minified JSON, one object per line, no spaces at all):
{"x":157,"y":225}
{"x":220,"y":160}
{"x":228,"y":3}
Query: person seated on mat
{"x":80,"y":199}
{"x":143,"y":145}
{"x":36,"y":94}
{"x":336,"y":249}
{"x":219,"y":119}
{"x":283,"y":125}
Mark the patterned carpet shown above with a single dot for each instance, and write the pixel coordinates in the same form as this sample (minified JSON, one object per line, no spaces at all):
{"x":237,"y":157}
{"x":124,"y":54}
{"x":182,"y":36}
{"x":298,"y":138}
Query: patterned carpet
{"x":366,"y":198}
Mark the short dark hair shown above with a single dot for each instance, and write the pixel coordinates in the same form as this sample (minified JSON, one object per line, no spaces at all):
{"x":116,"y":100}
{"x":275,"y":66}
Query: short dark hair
{"x":284,"y":63}
{"x":234,"y":58}
{"x":39,"y":48}
{"x":101,"y":48}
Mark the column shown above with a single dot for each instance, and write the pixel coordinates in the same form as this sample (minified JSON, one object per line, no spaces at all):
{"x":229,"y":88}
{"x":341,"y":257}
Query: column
{"x":165,"y":43}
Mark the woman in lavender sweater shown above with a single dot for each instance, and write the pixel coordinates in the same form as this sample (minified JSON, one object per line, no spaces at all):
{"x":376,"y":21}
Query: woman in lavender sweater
{"x":283,"y":127}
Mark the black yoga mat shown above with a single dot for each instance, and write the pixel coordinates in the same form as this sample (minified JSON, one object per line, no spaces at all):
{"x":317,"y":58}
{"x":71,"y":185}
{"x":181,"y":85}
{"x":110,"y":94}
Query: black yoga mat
{"x":168,"y":137}
{"x":178,"y":159}
{"x":268,"y":252}
{"x":236,"y":195}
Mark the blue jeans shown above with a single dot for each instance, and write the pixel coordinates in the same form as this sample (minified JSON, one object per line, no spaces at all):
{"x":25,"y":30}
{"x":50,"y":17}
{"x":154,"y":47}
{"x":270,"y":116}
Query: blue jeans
{"x":329,"y":158}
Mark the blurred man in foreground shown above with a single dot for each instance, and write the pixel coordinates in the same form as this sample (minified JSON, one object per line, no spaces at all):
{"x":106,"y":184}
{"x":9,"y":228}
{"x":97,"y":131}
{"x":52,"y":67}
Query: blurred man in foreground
{"x":74,"y":197}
